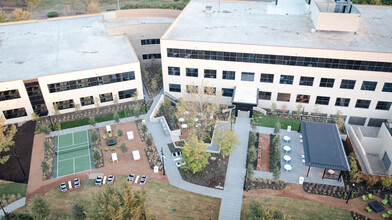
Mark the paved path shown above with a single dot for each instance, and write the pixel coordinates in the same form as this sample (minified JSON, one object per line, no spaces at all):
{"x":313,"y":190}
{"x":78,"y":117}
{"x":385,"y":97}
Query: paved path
{"x":13,"y":206}
{"x":232,"y":198}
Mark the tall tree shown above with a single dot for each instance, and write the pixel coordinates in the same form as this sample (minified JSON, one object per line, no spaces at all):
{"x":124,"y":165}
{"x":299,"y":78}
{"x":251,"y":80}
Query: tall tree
{"x":19,"y":15}
{"x":7,"y":133}
{"x":92,"y":6}
{"x":195,"y":154}
{"x":3,"y":17}
{"x":227,"y":140}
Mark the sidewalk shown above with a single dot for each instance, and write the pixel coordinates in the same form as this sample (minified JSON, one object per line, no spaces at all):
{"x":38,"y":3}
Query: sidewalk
{"x":13,"y":206}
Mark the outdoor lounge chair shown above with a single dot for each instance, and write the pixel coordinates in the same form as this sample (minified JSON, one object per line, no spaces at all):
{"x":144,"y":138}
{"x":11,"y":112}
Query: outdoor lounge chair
{"x":364,"y":198}
{"x":63,"y":187}
{"x":143,"y":180}
{"x":130,"y":178}
{"x":389,"y":212}
{"x":110,"y":179}
{"x":98,"y":181}
{"x":368,"y":209}
{"x":384,"y":201}
{"x":370,"y":196}
{"x":384,"y":215}
{"x":77,"y":183}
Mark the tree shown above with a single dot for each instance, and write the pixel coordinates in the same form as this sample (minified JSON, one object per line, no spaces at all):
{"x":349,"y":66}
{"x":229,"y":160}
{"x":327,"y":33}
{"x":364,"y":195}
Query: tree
{"x":284,"y":108}
{"x":39,"y":208}
{"x":3,"y":17}
{"x":252,"y":154}
{"x":78,"y":211}
{"x":19,"y":15}
{"x":195,"y":154}
{"x":316,"y":109}
{"x":97,"y":103}
{"x":227,"y":140}
{"x":339,"y":120}
{"x":7,"y":134}
{"x":35,"y":116}
{"x":115,"y":99}
{"x":277,"y":127}
{"x":56,"y":108}
{"x":92,"y":6}
{"x":123,"y":203}
{"x":92,"y":121}
{"x":97,"y":155}
{"x":135,"y":95}
{"x":148,"y":141}
{"x":32,"y":4}
{"x":386,"y":181}
{"x":77,"y":108}
{"x":249,"y":171}
{"x":273,"y":109}
{"x":299,"y":110}
{"x":94,"y":136}
{"x":257,"y":211}
{"x":370,"y":180}
{"x":116,"y":117}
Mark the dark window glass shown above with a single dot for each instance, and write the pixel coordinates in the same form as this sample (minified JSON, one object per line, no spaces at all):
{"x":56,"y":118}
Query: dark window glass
{"x":126,"y":93}
{"x":247,"y":76}
{"x":66,"y":104}
{"x":369,"y":85}
{"x":383,"y":105}
{"x":174,"y":87}
{"x":387,"y":87}
{"x":9,"y":94}
{"x":322,"y":100}
{"x":192,"y":72}
{"x":327,"y":82}
{"x":347,"y":84}
{"x":264,"y":95}
{"x":228,"y":75}
{"x":210,"y":74}
{"x":306,"y":81}
{"x":344,"y":102}
{"x":227,"y":92}
{"x":89,"y":100}
{"x":150,"y":41}
{"x":267,"y":78}
{"x":302,"y":98}
{"x":106,"y":97}
{"x":209,"y":90}
{"x":362,"y":103}
{"x":174,"y":71}
{"x":286,"y":79}
{"x":192,"y":89}
{"x":284,"y":97}
{"x":151,"y":56}
{"x":15,"y":113}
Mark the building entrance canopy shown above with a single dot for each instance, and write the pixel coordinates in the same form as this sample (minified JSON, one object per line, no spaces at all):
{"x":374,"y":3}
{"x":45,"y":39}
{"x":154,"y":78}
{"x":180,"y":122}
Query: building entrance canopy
{"x":245,"y":98}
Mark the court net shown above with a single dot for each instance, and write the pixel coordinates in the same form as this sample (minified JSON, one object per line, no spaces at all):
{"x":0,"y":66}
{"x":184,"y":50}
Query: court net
{"x":73,"y":149}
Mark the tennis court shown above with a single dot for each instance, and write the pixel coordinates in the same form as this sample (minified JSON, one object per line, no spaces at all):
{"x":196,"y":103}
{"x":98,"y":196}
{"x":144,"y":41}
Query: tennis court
{"x":72,"y":153}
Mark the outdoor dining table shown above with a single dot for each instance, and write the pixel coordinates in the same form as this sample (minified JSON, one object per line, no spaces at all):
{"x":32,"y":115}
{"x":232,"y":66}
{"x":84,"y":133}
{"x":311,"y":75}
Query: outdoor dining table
{"x":286,"y":138}
{"x":287,"y":167}
{"x":196,"y":119}
{"x":287,"y":148}
{"x":287,"y":158}
{"x":181,"y":120}
{"x":184,"y":126}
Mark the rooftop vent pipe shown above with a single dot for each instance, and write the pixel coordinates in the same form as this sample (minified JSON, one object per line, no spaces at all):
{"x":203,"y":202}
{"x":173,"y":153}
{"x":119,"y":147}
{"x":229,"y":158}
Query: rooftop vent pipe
{"x":208,"y":9}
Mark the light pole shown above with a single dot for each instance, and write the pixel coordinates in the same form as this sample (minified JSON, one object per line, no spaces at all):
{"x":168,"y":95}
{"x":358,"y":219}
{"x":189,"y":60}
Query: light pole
{"x":163,"y":161}
{"x":351,"y":191}
{"x":21,"y":167}
{"x":5,"y":213}
{"x":246,"y":176}
{"x":118,"y":4}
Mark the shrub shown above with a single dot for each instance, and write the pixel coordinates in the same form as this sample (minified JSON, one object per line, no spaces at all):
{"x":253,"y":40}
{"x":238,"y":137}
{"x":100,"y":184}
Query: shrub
{"x":94,"y":136}
{"x":116,"y":117}
{"x":45,"y":167}
{"x":20,"y":216}
{"x":144,"y":128}
{"x":92,"y":121}
{"x":97,"y":155}
{"x":47,"y":145}
{"x":112,"y":149}
{"x":148,"y":141}
{"x":106,"y":149}
{"x":57,"y":126}
{"x":39,"y":208}
{"x":120,"y":132}
{"x":110,"y":135}
{"x":124,"y":149}
{"x":44,"y":128}
{"x":53,"y":14}
{"x":78,"y":210}
{"x":252,"y":154}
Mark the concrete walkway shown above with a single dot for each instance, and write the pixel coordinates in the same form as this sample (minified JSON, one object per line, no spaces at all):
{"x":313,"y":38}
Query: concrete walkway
{"x":13,"y":206}
{"x":232,"y":198}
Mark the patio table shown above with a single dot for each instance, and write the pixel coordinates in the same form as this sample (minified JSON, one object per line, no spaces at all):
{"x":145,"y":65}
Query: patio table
{"x":376,"y":206}
{"x":184,"y":126}
{"x":287,"y":148}
{"x":287,"y":167}
{"x":196,"y":119}
{"x":181,"y":120}
{"x":198,"y":125}
{"x":286,"y":138}
{"x":287,"y":158}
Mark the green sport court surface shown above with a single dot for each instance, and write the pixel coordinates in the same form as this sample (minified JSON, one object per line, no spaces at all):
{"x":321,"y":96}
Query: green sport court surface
{"x":72,"y":153}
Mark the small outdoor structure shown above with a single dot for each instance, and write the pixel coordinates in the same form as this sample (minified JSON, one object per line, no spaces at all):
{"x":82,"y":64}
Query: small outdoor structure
{"x":245,"y":98}
{"x":323,"y":148}
{"x":136,"y":155}
{"x":130,"y":135}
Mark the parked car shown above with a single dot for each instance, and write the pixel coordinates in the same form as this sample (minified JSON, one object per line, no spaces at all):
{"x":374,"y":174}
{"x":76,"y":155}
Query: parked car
{"x":180,"y":163}
{"x":176,"y":154}
{"x":130,"y":178}
{"x":143,"y":180}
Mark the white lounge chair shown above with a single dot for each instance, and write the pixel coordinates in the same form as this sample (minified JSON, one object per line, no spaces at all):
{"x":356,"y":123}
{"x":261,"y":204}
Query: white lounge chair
{"x":98,"y":181}
{"x":77,"y":183}
{"x":110,"y":179}
{"x":63,"y":187}
{"x":143,"y":180}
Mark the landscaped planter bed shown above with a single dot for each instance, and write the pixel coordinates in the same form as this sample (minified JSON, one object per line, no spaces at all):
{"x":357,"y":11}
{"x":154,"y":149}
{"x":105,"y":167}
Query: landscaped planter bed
{"x":97,"y":147}
{"x":259,"y":183}
{"x":152,"y":156}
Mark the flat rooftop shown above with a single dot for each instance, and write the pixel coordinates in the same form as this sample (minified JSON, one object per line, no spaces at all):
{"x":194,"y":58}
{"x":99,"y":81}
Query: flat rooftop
{"x":246,"y":95}
{"x":33,"y":49}
{"x":286,"y":24}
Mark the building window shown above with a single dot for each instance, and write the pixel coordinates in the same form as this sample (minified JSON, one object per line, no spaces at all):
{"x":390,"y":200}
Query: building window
{"x":283,"y":97}
{"x":61,"y":105}
{"x":347,"y":84}
{"x":192,"y":89}
{"x":151,"y":56}
{"x":267,"y":78}
{"x":356,"y":120}
{"x":125,"y":94}
{"x":209,"y":90}
{"x":383,"y":105}
{"x":227,"y":92}
{"x":106,"y":97}
{"x":248,"y":76}
{"x":375,"y":122}
{"x":344,"y":102}
{"x":306,"y":81}
{"x":362,"y":103}
{"x":15,"y":113}
{"x":264,"y":95}
{"x":174,"y":87}
{"x":302,"y":98}
{"x":192,"y":72}
{"x":150,"y":41}
{"x":228,"y":75}
{"x":89,"y":100}
{"x":286,"y":79}
{"x":174,"y":71}
{"x":9,"y":94}
{"x":322,"y":100}
{"x":210,"y":74}
{"x":369,"y":85}
{"x":387,"y":87}
{"x":327,"y":82}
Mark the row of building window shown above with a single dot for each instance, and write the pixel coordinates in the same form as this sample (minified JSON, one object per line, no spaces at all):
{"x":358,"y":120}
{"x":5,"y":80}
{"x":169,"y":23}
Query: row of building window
{"x":281,"y":60}
{"x":89,"y":82}
{"x":151,"y":56}
{"x":284,"y":79}
{"x":15,"y":113}
{"x":150,"y":41}
{"x":9,"y":94}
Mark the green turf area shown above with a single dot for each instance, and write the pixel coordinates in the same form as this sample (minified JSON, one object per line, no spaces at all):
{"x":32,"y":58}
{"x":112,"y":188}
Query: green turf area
{"x":266,"y":121}
{"x":76,"y":123}
{"x":300,"y":209}
{"x":103,"y":118}
{"x":11,"y":188}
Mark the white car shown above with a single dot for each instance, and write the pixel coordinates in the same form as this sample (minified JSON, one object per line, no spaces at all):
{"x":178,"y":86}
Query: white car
{"x":180,"y":163}
{"x":176,"y":154}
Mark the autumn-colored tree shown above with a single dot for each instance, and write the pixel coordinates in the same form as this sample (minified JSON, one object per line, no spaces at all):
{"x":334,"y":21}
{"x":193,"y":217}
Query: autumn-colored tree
{"x":56,"y":108}
{"x":34,"y":116}
{"x":386,"y":181}
{"x":227,"y":140}
{"x":6,"y":135}
{"x":370,"y":180}
{"x":92,"y":6}
{"x":273,"y":109}
{"x":3,"y":17}
{"x":299,"y":110}
{"x":32,"y":4}
{"x":277,"y":127}
{"x":120,"y":204}
{"x":284,"y":109}
{"x":19,"y":15}
{"x":195,"y":154}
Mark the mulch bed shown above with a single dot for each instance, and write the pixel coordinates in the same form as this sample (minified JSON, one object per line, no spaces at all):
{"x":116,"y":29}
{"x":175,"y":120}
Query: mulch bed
{"x":152,"y":72}
{"x":49,"y":159}
{"x":97,"y":146}
{"x":259,"y":183}
{"x":23,"y":146}
{"x":152,"y":155}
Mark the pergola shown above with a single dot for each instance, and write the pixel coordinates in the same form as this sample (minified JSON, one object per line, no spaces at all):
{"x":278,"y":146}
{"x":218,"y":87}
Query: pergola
{"x":323,"y":148}
{"x":245,"y":98}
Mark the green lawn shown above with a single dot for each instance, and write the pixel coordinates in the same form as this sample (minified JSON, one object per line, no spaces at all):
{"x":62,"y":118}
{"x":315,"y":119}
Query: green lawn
{"x":300,"y":209}
{"x":76,"y":123}
{"x":266,"y":121}
{"x":11,"y":188}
